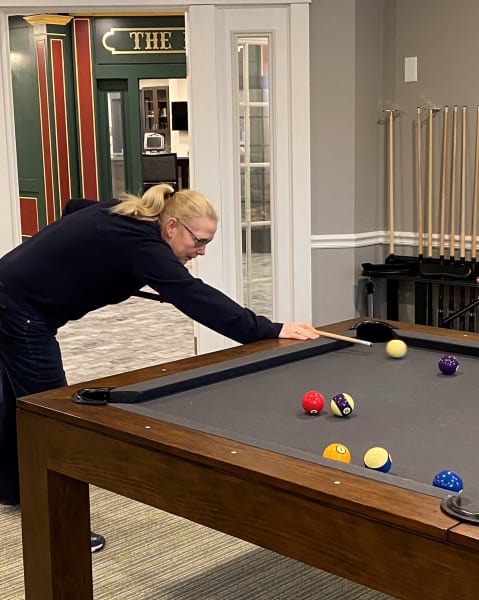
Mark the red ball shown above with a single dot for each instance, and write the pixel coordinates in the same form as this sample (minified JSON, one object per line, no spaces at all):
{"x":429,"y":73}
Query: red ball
{"x":313,"y":402}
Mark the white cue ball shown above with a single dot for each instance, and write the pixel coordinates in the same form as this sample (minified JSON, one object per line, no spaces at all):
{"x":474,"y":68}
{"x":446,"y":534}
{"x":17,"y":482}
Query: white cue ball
{"x":396,"y":348}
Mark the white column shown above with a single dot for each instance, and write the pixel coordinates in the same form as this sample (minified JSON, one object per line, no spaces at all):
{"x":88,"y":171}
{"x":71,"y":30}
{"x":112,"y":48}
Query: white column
{"x":10,"y":231}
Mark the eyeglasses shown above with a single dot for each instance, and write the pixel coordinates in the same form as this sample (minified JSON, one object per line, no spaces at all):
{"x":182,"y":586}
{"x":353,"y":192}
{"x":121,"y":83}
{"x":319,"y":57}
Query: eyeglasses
{"x":199,"y":242}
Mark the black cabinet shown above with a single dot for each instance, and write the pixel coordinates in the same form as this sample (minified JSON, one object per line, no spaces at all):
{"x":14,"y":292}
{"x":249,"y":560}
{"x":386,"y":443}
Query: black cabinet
{"x":155,"y":105}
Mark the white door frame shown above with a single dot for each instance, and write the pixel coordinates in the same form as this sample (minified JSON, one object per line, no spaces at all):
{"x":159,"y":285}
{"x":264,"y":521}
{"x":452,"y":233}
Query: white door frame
{"x":210,"y":28}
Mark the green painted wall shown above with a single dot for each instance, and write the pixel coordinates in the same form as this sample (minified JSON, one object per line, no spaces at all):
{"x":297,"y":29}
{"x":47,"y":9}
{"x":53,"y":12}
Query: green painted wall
{"x":27,"y":113}
{"x":111,"y":70}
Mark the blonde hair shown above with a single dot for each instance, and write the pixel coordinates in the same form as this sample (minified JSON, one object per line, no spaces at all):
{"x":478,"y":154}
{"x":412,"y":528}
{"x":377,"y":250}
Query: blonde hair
{"x":161,"y":202}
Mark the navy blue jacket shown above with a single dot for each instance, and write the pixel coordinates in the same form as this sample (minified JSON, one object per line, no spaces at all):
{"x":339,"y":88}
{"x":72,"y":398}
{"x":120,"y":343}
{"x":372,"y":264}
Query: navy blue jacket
{"x":92,"y":257}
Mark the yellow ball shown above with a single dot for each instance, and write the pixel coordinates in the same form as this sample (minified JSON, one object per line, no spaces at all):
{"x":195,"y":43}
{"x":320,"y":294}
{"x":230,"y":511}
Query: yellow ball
{"x":337,"y":452}
{"x":396,"y":348}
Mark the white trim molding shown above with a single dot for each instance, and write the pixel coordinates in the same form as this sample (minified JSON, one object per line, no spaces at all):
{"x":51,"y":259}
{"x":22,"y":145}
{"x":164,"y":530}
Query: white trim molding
{"x":94,"y":7}
{"x":373,"y":238}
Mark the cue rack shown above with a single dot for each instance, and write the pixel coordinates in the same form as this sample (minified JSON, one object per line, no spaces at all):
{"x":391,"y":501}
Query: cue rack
{"x":443,"y":274}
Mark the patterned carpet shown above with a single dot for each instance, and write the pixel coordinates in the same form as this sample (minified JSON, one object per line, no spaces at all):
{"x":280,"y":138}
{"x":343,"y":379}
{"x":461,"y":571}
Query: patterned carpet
{"x":151,"y":555}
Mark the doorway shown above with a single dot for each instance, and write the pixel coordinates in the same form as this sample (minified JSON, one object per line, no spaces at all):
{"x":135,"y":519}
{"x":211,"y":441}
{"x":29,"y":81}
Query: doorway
{"x":214,"y":164}
{"x":113,"y":156}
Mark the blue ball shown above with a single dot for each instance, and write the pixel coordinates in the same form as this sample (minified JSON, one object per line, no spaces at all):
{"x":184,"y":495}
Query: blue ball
{"x":448,"y":480}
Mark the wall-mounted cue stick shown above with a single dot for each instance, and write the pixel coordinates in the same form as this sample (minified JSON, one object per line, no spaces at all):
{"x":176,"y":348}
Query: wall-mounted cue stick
{"x":462,"y":238}
{"x":472,"y":292}
{"x":429,"y":267}
{"x":474,"y":199}
{"x":452,"y":239}
{"x":391,"y":181}
{"x":462,"y":244}
{"x":442,"y":221}
{"x":429,"y":183}
{"x":420,"y":205}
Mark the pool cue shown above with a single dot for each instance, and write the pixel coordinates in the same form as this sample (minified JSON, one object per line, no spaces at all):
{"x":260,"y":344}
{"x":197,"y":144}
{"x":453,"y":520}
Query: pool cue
{"x":420,"y":206}
{"x":440,"y":312}
{"x":343,"y":338}
{"x":462,"y":242}
{"x":472,"y":293}
{"x":474,"y":199}
{"x":391,"y":182}
{"x":429,"y":185}
{"x":443,"y":185}
{"x":452,"y":238}
{"x":429,"y":257}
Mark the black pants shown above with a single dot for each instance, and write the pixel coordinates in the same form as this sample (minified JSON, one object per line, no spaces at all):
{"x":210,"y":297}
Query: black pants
{"x":30,"y":362}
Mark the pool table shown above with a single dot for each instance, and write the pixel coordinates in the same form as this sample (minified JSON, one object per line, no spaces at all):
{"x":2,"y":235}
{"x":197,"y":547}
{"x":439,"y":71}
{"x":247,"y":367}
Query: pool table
{"x":222,"y":440}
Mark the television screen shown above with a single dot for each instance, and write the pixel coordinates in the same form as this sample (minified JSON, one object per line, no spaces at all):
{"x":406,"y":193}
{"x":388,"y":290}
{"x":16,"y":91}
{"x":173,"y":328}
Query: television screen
{"x":153,"y":142}
{"x":179,"y":116}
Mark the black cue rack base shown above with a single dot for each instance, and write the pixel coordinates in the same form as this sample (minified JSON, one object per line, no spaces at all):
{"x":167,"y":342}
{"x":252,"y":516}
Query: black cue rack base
{"x":426,"y":275}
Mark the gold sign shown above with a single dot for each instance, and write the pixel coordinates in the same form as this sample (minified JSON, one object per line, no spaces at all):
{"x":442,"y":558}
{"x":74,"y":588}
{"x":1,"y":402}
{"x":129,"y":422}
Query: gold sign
{"x":145,"y":40}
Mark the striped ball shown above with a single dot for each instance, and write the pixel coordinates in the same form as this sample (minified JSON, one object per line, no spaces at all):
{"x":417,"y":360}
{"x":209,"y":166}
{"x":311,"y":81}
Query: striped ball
{"x":342,"y":405}
{"x":378,"y":459}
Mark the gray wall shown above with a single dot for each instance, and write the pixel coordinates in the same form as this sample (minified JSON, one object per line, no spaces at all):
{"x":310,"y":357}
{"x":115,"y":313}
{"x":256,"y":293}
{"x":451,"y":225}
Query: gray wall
{"x":357,"y":71}
{"x":347,"y":145}
{"x":443,"y":35}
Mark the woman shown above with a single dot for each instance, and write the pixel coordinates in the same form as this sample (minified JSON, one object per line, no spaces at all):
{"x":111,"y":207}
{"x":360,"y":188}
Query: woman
{"x":99,"y":255}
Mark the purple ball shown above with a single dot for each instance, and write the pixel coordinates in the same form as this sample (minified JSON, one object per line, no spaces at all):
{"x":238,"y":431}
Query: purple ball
{"x":448,"y":364}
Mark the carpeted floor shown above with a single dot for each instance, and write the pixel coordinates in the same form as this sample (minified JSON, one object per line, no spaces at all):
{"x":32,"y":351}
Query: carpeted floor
{"x":151,"y":555}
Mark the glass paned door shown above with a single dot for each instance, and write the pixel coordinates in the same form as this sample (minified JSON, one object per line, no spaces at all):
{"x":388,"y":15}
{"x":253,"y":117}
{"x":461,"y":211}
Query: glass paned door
{"x":116,"y":149}
{"x":112,"y":137}
{"x":255,"y":168}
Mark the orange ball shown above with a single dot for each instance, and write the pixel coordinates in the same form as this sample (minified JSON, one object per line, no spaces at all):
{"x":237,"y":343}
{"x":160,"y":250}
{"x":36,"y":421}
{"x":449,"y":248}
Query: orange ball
{"x":337,"y":451}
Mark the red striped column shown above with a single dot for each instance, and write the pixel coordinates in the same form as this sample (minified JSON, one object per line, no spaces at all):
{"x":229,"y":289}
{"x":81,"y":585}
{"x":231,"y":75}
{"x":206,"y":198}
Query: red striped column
{"x":45,"y":130}
{"x":86,"y":108}
{"x":61,"y":120}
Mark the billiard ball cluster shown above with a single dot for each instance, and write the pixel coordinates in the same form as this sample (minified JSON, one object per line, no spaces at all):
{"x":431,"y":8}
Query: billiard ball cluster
{"x":378,"y":458}
{"x":448,"y":364}
{"x":313,"y":402}
{"x":342,"y":405}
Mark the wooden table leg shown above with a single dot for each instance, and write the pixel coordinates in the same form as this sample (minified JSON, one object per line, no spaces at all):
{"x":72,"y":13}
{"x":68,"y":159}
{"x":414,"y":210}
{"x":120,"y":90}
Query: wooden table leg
{"x":55,"y":521}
